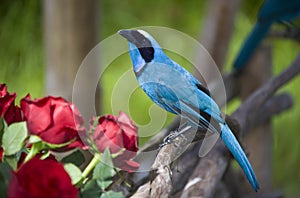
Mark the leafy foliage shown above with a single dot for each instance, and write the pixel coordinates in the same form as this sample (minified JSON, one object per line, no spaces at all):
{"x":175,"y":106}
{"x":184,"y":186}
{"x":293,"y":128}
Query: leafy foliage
{"x":101,"y":179}
{"x":75,"y":158}
{"x":22,"y":59}
{"x":13,"y":138}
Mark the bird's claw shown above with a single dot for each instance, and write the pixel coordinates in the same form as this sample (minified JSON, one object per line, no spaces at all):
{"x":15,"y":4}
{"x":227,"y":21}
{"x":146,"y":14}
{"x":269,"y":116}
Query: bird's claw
{"x":170,"y":139}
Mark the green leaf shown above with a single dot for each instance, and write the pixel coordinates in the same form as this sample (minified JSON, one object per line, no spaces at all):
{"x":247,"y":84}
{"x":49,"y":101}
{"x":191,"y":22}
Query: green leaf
{"x":103,"y":184}
{"x":76,"y":158}
{"x":34,"y":139}
{"x":14,"y":137}
{"x":2,"y":128}
{"x":12,"y":161}
{"x":112,"y":194}
{"x":4,"y":178}
{"x":104,"y":171}
{"x":91,"y":190}
{"x":74,"y":172}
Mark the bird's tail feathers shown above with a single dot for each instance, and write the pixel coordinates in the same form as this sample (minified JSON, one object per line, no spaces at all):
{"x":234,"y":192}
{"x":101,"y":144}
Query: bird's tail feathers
{"x":233,"y":145}
{"x":255,"y":37}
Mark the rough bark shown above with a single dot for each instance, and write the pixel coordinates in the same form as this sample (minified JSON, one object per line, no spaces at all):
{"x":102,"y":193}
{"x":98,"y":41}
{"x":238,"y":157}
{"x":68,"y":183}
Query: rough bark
{"x":263,"y":101}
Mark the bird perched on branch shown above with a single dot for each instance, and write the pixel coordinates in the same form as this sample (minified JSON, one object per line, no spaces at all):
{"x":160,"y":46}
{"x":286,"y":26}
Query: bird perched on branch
{"x":174,"y":89}
{"x":272,"y":11}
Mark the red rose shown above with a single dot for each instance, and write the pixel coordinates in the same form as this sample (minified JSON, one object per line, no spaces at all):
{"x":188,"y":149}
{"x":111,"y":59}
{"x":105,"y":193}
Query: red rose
{"x":1,"y":154}
{"x":41,"y":178}
{"x":13,"y":114}
{"x":54,"y":120}
{"x":8,"y":109}
{"x":6,"y":99}
{"x":117,"y":133}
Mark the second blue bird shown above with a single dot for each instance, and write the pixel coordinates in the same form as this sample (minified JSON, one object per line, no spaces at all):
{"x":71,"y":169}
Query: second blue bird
{"x":174,"y":89}
{"x":272,"y":11}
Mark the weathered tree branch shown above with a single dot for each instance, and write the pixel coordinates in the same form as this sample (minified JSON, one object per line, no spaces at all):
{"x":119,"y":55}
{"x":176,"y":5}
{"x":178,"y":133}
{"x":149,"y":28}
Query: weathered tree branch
{"x":260,"y":96}
{"x":272,"y":107}
{"x":204,"y":183}
{"x":277,"y":194}
{"x":243,"y":114}
{"x":188,"y":161}
{"x":293,"y":34}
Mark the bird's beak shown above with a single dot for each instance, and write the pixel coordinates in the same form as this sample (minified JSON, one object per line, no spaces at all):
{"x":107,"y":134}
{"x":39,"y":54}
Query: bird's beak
{"x":135,"y":37}
{"x":128,"y":35}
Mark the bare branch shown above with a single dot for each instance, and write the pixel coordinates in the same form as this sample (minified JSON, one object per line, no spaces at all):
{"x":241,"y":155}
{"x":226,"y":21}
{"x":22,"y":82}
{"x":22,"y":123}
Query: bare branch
{"x":275,"y":105}
{"x":144,"y":191}
{"x":202,"y":183}
{"x":293,"y":34}
{"x":219,"y":155}
{"x":277,"y":194}
{"x":243,"y":114}
{"x":205,"y":178}
{"x":260,"y":96}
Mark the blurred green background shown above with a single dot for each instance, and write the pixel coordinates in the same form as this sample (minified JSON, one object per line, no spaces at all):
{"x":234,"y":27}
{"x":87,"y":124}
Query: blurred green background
{"x":22,"y":61}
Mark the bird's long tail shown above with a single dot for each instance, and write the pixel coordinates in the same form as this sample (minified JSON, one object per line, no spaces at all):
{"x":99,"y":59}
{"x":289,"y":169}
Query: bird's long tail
{"x":233,"y":145}
{"x":254,"y":38}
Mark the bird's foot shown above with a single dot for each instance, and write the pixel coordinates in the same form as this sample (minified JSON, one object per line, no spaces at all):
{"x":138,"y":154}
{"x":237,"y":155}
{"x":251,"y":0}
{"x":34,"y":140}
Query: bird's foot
{"x":171,"y":137}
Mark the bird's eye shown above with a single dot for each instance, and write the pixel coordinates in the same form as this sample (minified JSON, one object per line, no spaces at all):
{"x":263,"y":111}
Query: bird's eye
{"x":144,"y":46}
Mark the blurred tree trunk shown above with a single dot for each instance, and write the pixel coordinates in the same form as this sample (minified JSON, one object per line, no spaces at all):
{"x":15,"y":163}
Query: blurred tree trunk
{"x":216,"y":35}
{"x":258,"y":142}
{"x":70,"y":32}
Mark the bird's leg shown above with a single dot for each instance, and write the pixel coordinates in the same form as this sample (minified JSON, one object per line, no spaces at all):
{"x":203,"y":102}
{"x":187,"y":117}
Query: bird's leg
{"x":174,"y":134}
{"x":182,"y":126}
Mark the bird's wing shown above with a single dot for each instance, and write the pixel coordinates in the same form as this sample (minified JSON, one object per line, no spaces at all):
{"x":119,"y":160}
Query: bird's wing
{"x":176,"y":90}
{"x":200,"y":119}
{"x":185,"y":108}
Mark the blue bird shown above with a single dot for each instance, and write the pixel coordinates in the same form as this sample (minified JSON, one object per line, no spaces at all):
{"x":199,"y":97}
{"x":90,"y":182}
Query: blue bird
{"x":174,"y":89}
{"x":272,"y":11}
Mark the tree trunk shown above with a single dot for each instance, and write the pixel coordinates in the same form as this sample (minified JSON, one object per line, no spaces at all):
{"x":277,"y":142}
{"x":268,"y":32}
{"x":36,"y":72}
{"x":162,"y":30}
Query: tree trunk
{"x":259,"y":141}
{"x":216,"y":34}
{"x":70,"y":31}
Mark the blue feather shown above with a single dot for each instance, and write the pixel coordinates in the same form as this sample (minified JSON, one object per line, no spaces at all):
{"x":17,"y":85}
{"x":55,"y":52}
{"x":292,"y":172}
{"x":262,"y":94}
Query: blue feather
{"x":253,"y":40}
{"x":236,"y":150}
{"x":176,"y":90}
{"x":272,"y":11}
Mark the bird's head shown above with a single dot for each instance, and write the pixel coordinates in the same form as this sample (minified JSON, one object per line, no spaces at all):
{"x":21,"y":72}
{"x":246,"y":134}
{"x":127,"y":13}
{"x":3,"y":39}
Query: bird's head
{"x":142,"y":48}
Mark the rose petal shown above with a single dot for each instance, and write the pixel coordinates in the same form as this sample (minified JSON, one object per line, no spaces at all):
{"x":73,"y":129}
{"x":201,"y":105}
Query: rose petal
{"x":6,"y":99}
{"x":127,"y":165}
{"x":37,"y":114}
{"x":41,"y":178}
{"x":1,"y":153}
{"x":117,"y":133}
{"x":54,"y":120}
{"x":13,"y":114}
